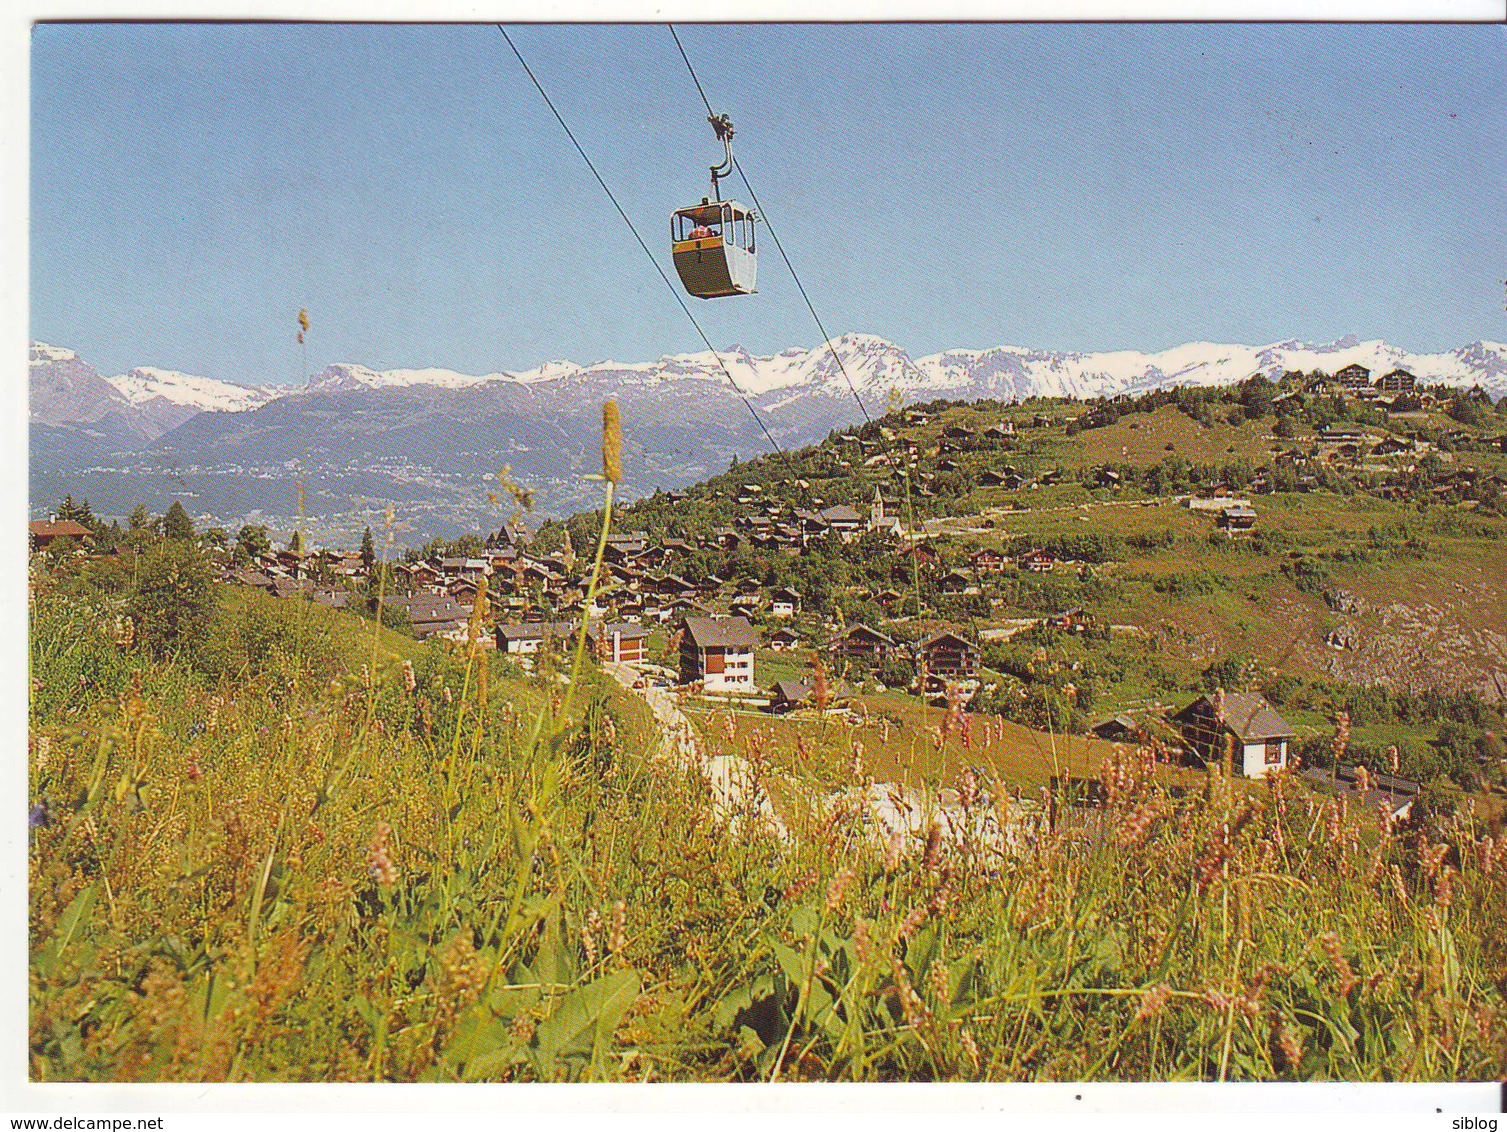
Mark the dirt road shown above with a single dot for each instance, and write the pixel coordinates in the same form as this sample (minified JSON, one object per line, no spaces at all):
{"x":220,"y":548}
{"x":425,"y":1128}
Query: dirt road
{"x":735,"y":788}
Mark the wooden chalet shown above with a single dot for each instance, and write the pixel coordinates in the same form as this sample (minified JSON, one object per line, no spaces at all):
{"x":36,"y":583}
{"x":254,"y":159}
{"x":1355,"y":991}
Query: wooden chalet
{"x":948,"y":656}
{"x":255,"y":579}
{"x":789,"y":695}
{"x":1253,"y":734}
{"x":531,"y":636}
{"x":44,"y":533}
{"x":435,"y":615}
{"x":785,"y":602}
{"x":1077,"y":620}
{"x":956,"y":582}
{"x":1008,"y":478}
{"x":1038,"y":562}
{"x":865,"y":644}
{"x":1237,"y":520}
{"x":987,"y":561}
{"x":784,"y":639}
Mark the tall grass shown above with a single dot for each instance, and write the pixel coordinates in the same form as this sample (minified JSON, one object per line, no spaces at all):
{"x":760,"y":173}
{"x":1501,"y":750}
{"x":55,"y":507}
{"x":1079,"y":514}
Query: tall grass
{"x":209,"y":902}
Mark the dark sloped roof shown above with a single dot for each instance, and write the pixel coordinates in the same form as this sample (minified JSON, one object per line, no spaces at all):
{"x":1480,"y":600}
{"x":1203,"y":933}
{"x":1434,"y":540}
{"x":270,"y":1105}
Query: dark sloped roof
{"x":947,"y":637}
{"x":1247,"y":714}
{"x":792,"y":691}
{"x":727,"y":633}
{"x":535,"y":631}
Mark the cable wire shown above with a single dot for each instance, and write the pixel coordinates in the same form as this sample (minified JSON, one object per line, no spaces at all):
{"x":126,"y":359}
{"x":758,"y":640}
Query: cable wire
{"x":780,"y":247}
{"x":810,"y":306}
{"x":773,"y":443}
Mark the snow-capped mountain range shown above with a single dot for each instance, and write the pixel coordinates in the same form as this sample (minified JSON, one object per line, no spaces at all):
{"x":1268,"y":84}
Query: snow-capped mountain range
{"x":874,"y":366}
{"x":429,"y":441}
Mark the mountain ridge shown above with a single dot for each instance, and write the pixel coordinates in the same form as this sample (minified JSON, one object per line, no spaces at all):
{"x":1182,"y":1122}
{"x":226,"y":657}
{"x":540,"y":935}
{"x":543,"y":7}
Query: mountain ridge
{"x":433,"y":442}
{"x":871,"y":363}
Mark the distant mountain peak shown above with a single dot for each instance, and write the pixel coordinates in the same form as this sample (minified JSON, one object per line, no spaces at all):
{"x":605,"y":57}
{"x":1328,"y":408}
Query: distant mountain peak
{"x":42,"y":352}
{"x":143,"y":385}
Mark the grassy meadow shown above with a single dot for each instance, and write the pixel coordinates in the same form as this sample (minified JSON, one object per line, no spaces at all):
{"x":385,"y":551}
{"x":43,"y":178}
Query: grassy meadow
{"x":311,"y":849}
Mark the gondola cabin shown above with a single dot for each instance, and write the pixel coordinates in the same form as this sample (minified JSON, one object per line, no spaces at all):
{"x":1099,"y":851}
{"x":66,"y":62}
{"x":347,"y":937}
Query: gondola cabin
{"x":715,"y":246}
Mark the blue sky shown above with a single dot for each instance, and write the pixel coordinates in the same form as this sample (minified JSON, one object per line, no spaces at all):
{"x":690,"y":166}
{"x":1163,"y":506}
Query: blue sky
{"x":1060,"y":186}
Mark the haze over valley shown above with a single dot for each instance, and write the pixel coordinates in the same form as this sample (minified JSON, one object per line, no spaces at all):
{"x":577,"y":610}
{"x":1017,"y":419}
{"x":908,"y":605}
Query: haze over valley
{"x":430,"y":442}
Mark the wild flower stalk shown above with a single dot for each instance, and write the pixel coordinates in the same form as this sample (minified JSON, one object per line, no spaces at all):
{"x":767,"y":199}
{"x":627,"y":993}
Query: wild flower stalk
{"x":1333,"y":951}
{"x":379,"y":857}
{"x":612,"y":473}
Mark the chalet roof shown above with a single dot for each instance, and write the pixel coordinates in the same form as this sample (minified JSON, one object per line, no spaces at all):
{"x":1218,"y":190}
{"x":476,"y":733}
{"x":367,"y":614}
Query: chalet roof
{"x":252,"y":578}
{"x":870,"y":632}
{"x":62,"y":528}
{"x":1385,"y":783}
{"x":792,"y":691}
{"x":535,"y":631}
{"x":1247,"y":714}
{"x":1119,"y":725}
{"x":841,"y":513}
{"x":945,"y":638}
{"x":625,"y":629}
{"x":428,"y":606}
{"x":727,"y":633}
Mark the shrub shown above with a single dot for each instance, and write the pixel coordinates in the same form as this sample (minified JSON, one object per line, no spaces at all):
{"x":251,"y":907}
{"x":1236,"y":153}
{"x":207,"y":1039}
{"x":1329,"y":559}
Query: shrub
{"x":173,"y":599}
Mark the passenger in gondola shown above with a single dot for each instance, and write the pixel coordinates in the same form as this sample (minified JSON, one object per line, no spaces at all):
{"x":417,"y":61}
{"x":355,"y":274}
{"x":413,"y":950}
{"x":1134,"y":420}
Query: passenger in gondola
{"x":702,"y":232}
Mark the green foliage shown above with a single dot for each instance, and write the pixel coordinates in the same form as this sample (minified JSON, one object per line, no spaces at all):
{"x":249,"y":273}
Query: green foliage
{"x":176,"y":524}
{"x":1308,"y":575}
{"x":253,"y":540}
{"x":78,"y":511}
{"x":174,"y":598}
{"x":1232,"y":673}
